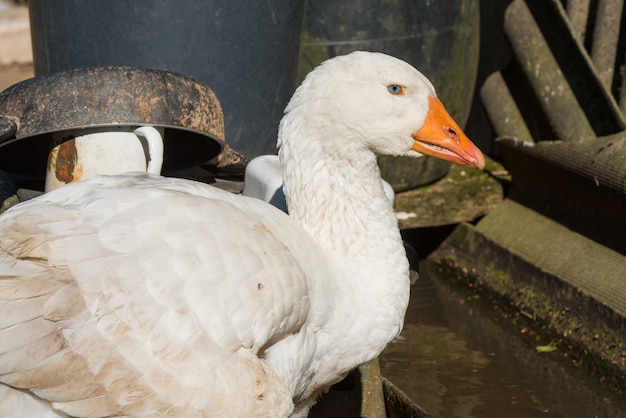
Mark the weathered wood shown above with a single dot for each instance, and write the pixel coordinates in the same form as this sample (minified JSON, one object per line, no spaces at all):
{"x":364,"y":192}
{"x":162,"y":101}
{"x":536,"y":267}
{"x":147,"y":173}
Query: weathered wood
{"x":502,"y":109}
{"x":562,"y":80}
{"x":399,"y":405}
{"x":372,"y":399}
{"x":544,"y":74}
{"x":605,"y":39}
{"x":601,"y":160}
{"x":359,"y":394}
{"x":578,"y":13}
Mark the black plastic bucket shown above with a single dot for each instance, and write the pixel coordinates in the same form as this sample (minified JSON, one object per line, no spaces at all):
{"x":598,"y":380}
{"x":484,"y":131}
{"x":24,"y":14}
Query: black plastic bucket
{"x":245,"y":51}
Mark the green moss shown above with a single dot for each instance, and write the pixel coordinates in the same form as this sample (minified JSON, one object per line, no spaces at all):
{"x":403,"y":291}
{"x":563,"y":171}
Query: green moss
{"x":501,"y":277}
{"x":573,"y":324}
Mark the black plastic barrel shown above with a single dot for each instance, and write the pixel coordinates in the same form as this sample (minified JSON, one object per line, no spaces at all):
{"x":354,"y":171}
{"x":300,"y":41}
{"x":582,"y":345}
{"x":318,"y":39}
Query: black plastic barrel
{"x":440,"y":38}
{"x":246,"y":51}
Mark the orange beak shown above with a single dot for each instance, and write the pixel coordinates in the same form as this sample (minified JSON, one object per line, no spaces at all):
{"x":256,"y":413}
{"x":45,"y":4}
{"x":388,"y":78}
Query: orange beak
{"x":441,"y":137}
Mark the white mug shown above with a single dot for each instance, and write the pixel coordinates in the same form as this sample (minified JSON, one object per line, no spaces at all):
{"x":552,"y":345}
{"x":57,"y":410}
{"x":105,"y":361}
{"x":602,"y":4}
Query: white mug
{"x":84,"y":153}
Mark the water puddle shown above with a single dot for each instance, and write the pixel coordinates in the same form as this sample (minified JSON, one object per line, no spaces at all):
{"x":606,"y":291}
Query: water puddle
{"x":457,"y":358}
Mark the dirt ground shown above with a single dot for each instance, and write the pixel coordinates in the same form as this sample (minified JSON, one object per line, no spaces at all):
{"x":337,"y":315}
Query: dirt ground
{"x":11,"y":74}
{"x":16,"y":58}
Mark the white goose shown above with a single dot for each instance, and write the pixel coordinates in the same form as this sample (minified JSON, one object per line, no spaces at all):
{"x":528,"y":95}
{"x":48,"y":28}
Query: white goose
{"x":143,"y":296}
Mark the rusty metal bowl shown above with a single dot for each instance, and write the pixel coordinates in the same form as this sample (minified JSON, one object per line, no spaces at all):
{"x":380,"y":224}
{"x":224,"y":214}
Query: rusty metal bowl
{"x":32,"y":110}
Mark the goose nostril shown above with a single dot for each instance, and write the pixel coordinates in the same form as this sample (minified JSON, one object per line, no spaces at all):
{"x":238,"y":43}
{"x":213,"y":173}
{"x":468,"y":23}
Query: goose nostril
{"x":452,"y":133}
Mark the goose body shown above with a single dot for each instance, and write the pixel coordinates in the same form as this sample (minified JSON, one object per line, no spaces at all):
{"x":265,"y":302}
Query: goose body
{"x":138,"y":295}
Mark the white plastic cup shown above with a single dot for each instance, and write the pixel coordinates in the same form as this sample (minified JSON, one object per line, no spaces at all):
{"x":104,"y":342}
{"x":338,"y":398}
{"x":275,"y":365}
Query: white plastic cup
{"x":84,"y":153}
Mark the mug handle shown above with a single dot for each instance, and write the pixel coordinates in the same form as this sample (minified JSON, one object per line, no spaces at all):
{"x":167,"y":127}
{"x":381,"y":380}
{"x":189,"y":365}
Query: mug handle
{"x":155,"y":148}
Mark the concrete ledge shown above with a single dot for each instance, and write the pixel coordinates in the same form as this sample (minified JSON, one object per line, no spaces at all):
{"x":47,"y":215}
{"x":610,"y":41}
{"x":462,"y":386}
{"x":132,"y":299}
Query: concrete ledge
{"x":569,"y":286}
{"x":463,"y":195}
{"x":580,"y":184}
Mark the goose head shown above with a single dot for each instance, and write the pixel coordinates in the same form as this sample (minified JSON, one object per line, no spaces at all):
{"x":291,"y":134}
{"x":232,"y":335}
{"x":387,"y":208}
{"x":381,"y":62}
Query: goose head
{"x":377,"y":102}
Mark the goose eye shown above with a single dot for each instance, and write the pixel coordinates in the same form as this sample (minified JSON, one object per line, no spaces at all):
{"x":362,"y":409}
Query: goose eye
{"x":396,"y":89}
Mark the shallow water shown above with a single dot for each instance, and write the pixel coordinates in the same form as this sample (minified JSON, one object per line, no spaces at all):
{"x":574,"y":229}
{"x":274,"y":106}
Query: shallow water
{"x":456,"y":357}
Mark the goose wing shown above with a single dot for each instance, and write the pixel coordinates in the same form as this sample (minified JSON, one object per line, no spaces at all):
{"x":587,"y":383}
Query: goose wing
{"x":147,"y":296}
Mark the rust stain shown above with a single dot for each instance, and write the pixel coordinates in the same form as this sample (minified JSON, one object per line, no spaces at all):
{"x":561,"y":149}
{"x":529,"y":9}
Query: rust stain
{"x":66,"y":161}
{"x":147,"y":106}
{"x":114,"y":95}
